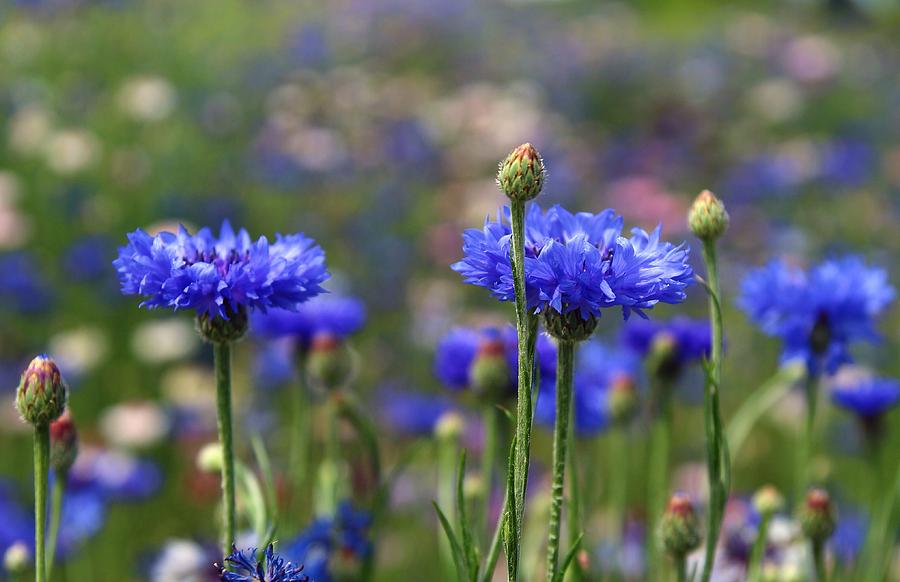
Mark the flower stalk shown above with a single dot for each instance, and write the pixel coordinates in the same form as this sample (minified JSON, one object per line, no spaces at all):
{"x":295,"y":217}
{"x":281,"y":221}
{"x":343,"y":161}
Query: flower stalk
{"x":222,"y":363}
{"x":41,"y":469}
{"x":565,"y":364}
{"x":658,"y":469}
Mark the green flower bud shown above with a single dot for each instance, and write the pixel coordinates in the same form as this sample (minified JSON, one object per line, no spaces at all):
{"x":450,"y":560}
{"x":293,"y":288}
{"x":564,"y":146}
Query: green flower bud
{"x":662,"y":359}
{"x":329,"y":363}
{"x":17,"y":558}
{"x":210,"y":458}
{"x":623,"y":399}
{"x":568,"y":326}
{"x":490,"y":371}
{"x":449,"y":426}
{"x":707,"y":218}
{"x":63,"y":443}
{"x":768,"y":501}
{"x":521,"y":175}
{"x":220,"y":330}
{"x":41,"y":396}
{"x":680,"y":528}
{"x":817,"y":516}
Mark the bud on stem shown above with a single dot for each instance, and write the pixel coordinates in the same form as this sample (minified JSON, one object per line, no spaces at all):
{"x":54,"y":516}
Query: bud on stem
{"x":521,"y":174}
{"x":707,"y":218}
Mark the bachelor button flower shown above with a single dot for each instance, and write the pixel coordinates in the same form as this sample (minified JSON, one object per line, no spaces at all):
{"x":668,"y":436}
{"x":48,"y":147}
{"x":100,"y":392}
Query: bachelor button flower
{"x":601,"y":374}
{"x":220,"y":277}
{"x":335,"y":315}
{"x":817,"y":314}
{"x":867,"y":397}
{"x":331,"y":543}
{"x":675,"y":343}
{"x":273,"y":568}
{"x":412,"y":413}
{"x":577,"y":263}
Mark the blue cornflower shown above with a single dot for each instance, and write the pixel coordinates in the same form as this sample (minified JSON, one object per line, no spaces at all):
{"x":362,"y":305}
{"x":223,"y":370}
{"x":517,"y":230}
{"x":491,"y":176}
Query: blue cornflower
{"x":88,"y":258}
{"x":677,"y":342}
{"x":817,"y":314}
{"x":599,"y":372}
{"x":270,"y":568}
{"x":849,"y":536}
{"x":577,"y":263}
{"x":867,"y":397}
{"x":328,"y":314}
{"x":409,"y":412}
{"x":220,"y":276}
{"x":343,"y":536}
{"x":120,"y":476}
{"x":22,"y":286}
{"x":457,"y":351}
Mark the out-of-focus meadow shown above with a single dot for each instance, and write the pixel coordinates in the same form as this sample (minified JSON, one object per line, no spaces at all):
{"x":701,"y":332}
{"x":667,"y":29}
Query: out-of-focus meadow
{"x":376,"y":127}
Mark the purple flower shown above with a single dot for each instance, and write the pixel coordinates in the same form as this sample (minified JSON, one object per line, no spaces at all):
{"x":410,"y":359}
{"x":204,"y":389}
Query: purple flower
{"x":219,"y":276}
{"x":577,"y":262}
{"x":817,"y":314}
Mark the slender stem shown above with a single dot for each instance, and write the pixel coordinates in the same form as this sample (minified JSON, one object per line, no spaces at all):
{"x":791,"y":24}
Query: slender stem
{"x":494,"y":550}
{"x":564,"y":368}
{"x":301,"y":433}
{"x":818,"y":549}
{"x":446,"y":464}
{"x":41,"y":468}
{"x":811,"y":389}
{"x":222,"y":363}
{"x":758,"y":552}
{"x":526,"y":331}
{"x":329,"y":470}
{"x":658,"y":470}
{"x":618,"y":479}
{"x":718,"y":464}
{"x":488,"y":462}
{"x":681,"y":568}
{"x":56,"y":501}
{"x":573,"y":515}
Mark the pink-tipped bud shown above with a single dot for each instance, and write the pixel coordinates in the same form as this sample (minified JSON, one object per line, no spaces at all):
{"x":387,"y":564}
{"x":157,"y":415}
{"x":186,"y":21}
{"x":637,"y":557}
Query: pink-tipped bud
{"x":679,"y":528}
{"x":41,"y":396}
{"x":521,"y":174}
{"x":63,"y":443}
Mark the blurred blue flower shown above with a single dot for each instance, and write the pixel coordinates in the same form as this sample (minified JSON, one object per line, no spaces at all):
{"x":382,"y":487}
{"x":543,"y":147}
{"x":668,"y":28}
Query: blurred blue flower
{"x":848,"y":162}
{"x":597,"y":368}
{"x":274,"y":365}
{"x":867,"y":397}
{"x":83,"y":515}
{"x":119,"y":476}
{"x":410,"y":412}
{"x":22,"y":287}
{"x":849,"y":536}
{"x":327,"y":539}
{"x":88,"y":258}
{"x":271,"y":568}
{"x":335,"y":315}
{"x":577,"y":263}
{"x":217,"y":276}
{"x":817,"y":314}
{"x":16,"y":524}
{"x":764,"y":176}
{"x":688,"y":340}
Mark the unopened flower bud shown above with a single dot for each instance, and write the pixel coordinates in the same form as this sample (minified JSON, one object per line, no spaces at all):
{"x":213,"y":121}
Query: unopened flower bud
{"x":489,"y":374}
{"x":328,"y":363}
{"x":817,"y":516}
{"x":217,"y":329}
{"x":41,"y":396}
{"x":768,"y":501}
{"x":17,"y":558}
{"x":521,"y":174}
{"x":210,"y":458}
{"x":63,"y":443}
{"x":679,"y":528}
{"x":623,"y":399}
{"x":449,"y":426}
{"x":708,"y":218}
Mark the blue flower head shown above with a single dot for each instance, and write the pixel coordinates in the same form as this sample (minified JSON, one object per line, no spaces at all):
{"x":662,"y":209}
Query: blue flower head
{"x":867,"y":397}
{"x":335,"y":315}
{"x":680,"y":341}
{"x":220,"y":276}
{"x":598,"y":370}
{"x":269,"y":568}
{"x":817,"y":313}
{"x":411,"y":413}
{"x":344,"y":536}
{"x":577,"y":263}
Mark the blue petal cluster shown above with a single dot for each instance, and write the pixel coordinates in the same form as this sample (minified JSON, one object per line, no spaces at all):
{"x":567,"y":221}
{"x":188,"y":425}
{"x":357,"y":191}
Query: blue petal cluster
{"x":817,"y":313}
{"x":597,"y":367}
{"x":577,"y":262}
{"x":272,"y":568}
{"x":867,"y":397}
{"x":691,"y":338}
{"x":335,"y":315}
{"x":345,"y":536}
{"x":216,"y":276}
{"x":409,"y":412}
{"x":456,"y":352}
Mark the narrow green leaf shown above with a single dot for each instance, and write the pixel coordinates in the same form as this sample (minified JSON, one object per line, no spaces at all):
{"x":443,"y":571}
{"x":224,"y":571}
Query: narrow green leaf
{"x":573,"y":551}
{"x":366,"y":432}
{"x":510,"y":528}
{"x":458,"y":558}
{"x":468,"y":543}
{"x":265,"y":469}
{"x":761,"y":401}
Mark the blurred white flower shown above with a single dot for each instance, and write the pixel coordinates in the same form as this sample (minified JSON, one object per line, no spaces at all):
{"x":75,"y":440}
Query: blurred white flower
{"x":192,"y":389}
{"x":181,"y":561}
{"x":78,"y":351}
{"x":166,"y":340}
{"x":71,"y":150}
{"x":776,"y":100}
{"x":134,"y":424}
{"x":29,"y":129}
{"x":147,"y":98}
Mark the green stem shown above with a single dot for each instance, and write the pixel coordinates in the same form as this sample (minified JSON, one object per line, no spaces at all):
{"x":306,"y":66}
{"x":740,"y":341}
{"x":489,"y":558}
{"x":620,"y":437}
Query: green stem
{"x":618,"y":480}
{"x":718,"y":462}
{"x":681,"y":568}
{"x":758,"y":552}
{"x":526,"y":332}
{"x":488,"y":462}
{"x":41,"y":468}
{"x":494,"y":550}
{"x":330,"y":468}
{"x":818,"y":549}
{"x":300,"y":435}
{"x":564,"y":368}
{"x":222,"y":363}
{"x":658,"y":470}
{"x":811,"y":390}
{"x":447,"y":459}
{"x":56,"y":501}
{"x":573,"y":515}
